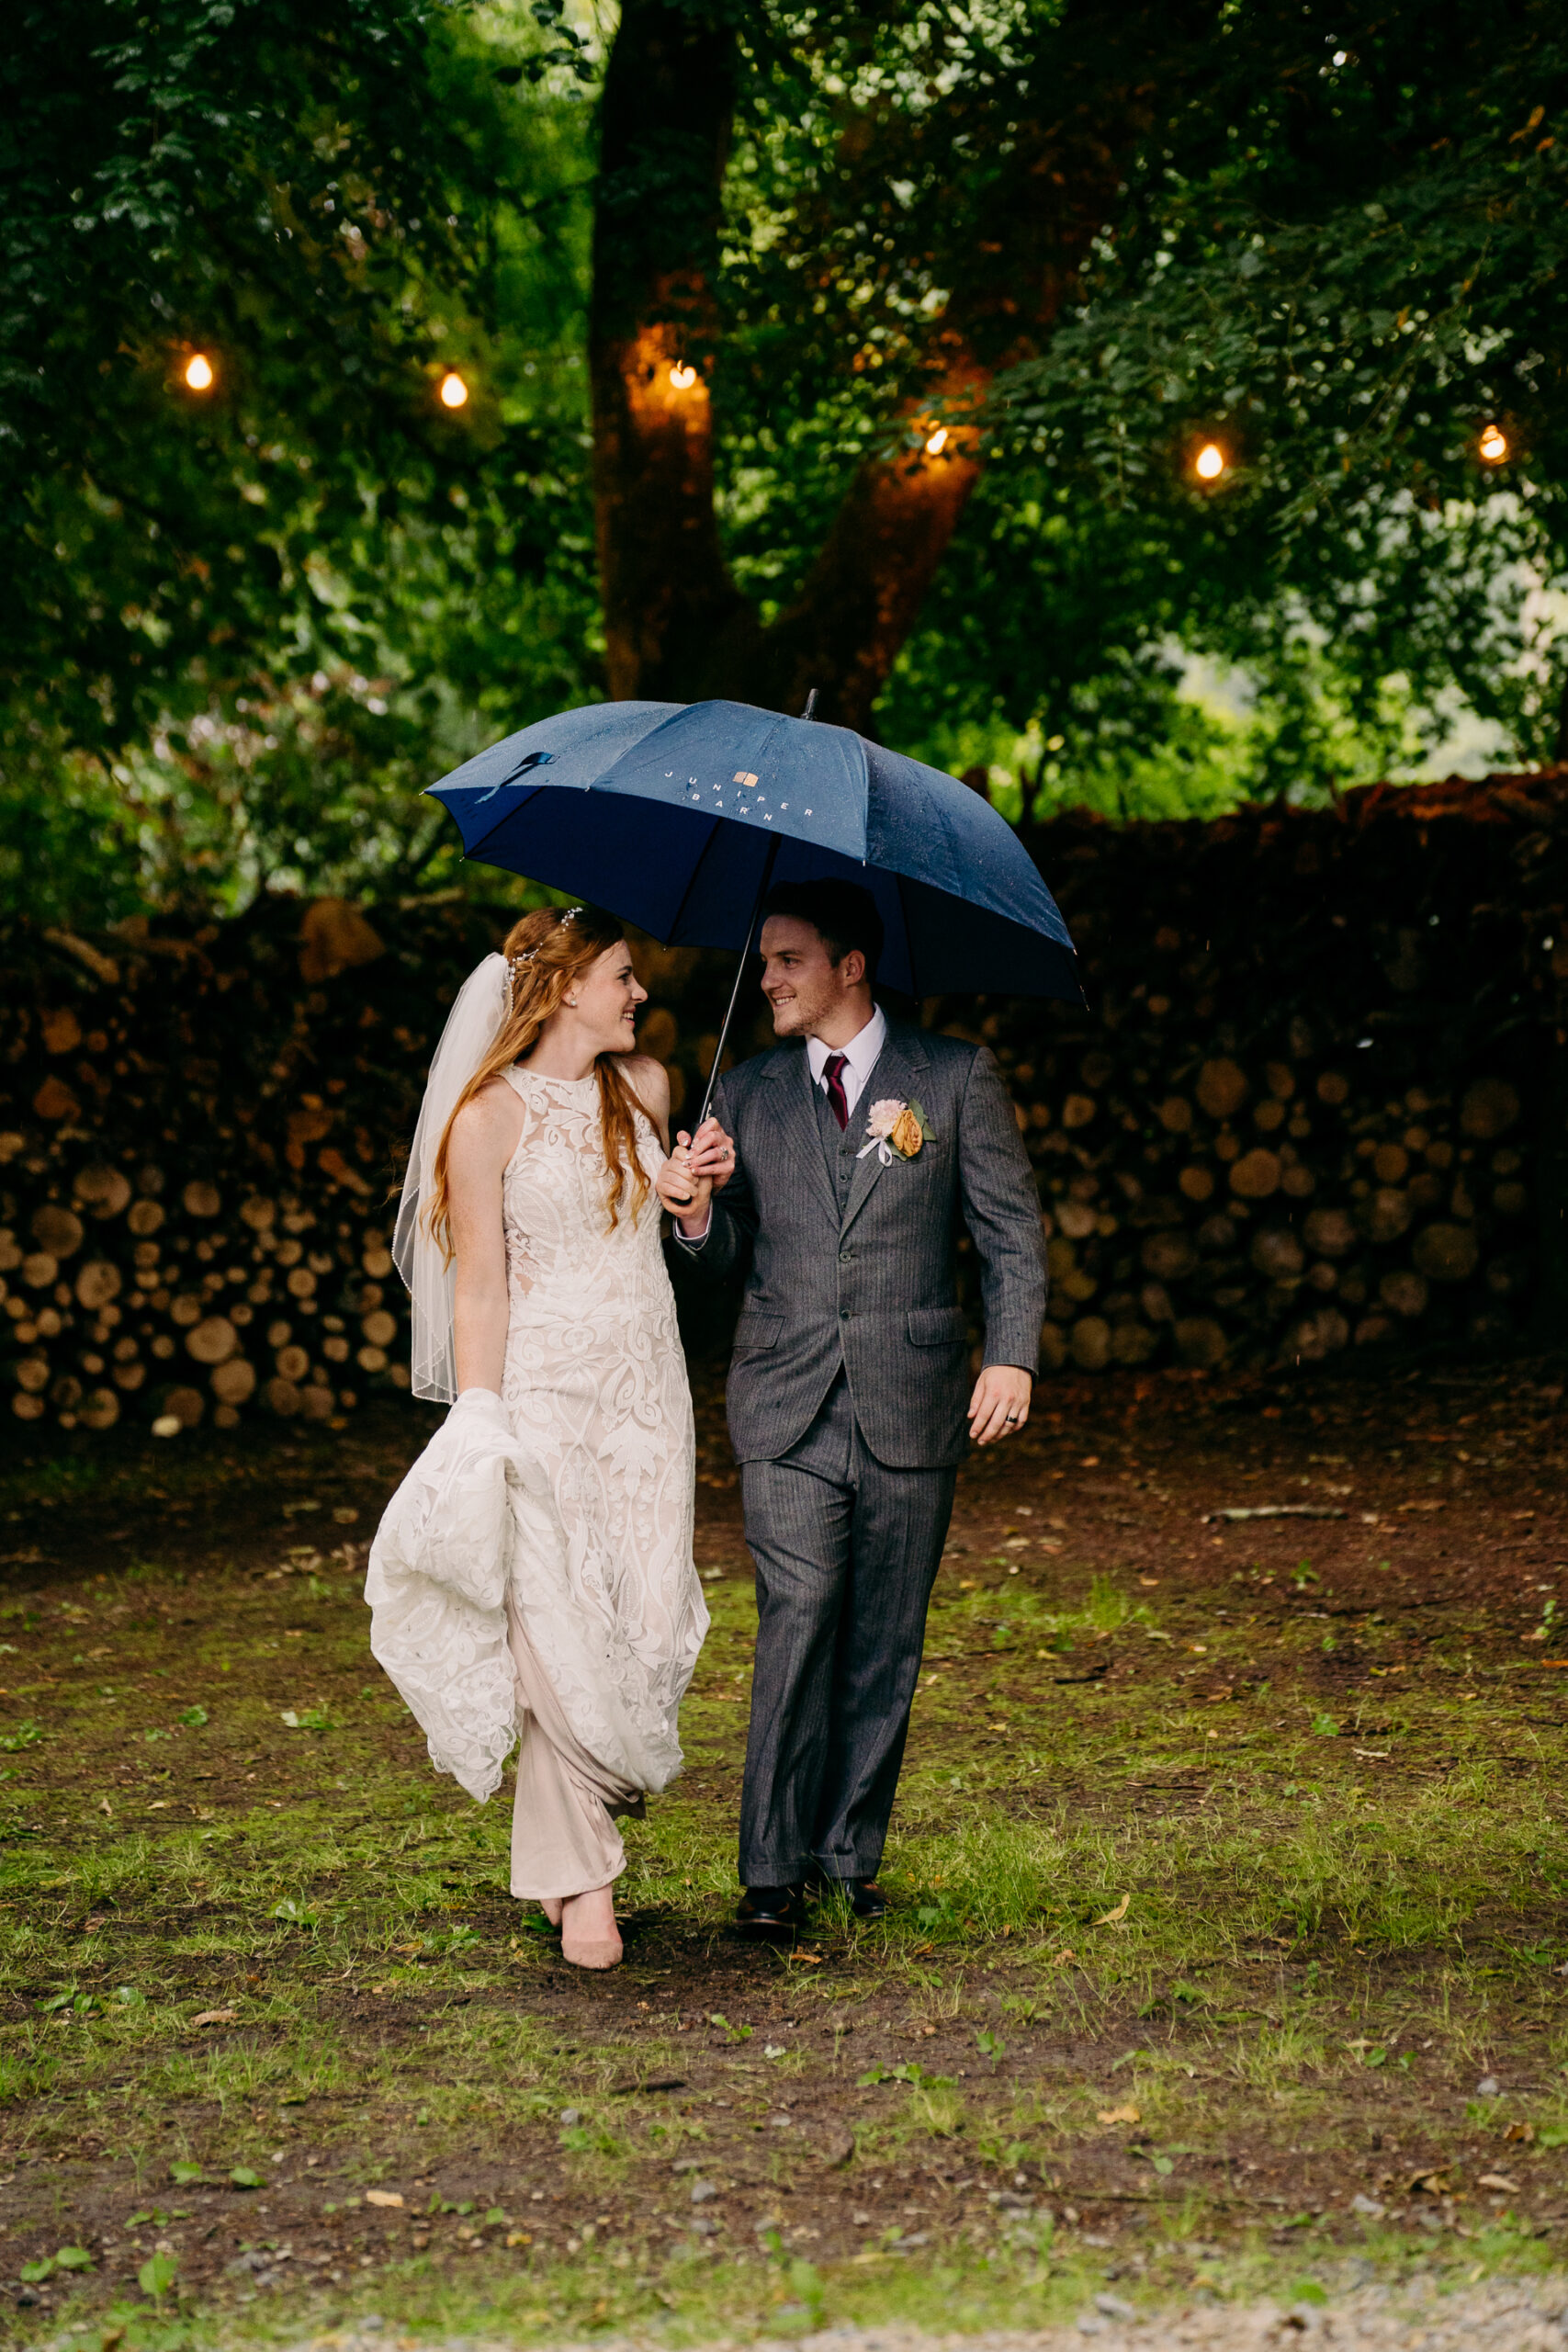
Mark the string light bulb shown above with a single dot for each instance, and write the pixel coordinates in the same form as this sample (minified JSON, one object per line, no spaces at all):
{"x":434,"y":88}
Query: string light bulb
{"x":682,"y":377}
{"x":937,"y":443}
{"x":1210,"y":462}
{"x":453,"y":391}
{"x":1493,"y":445}
{"x":198,"y":372}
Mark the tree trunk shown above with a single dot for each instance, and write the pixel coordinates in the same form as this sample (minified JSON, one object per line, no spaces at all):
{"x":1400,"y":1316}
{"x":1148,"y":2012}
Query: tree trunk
{"x":676,"y":627}
{"x":864,"y":594}
{"x":664,"y":131}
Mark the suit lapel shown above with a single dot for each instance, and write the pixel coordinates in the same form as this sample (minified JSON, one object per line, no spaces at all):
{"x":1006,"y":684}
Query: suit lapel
{"x":794,"y":1115}
{"x":896,"y":1078}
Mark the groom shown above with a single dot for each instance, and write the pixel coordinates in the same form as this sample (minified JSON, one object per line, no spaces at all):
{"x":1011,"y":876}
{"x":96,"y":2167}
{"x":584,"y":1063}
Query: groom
{"x":849,"y":1388}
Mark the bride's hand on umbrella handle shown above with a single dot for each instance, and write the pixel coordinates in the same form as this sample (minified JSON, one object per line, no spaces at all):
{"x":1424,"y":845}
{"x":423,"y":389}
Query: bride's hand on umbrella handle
{"x":682,"y":1192}
{"x":697,"y":1167}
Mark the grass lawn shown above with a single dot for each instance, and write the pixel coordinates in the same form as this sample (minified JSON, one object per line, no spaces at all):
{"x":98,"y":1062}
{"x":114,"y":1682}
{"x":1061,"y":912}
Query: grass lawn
{"x":1226,"y":1950}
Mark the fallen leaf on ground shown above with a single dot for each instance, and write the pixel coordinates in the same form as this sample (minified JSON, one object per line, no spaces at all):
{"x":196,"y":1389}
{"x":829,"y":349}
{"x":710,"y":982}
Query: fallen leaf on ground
{"x":1373,"y":1755}
{"x":1119,"y":2115}
{"x":1275,"y":1511}
{"x":382,"y":2197}
{"x":214,"y":2017}
{"x":1498,"y":2180}
{"x":1060,"y":1959}
{"x":1113,"y":1918}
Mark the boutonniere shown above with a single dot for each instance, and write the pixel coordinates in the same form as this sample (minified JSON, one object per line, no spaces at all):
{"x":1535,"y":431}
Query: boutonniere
{"x":896,"y":1131}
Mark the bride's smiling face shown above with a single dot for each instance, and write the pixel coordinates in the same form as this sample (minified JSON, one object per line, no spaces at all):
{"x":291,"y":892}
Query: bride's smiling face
{"x":607,"y":996}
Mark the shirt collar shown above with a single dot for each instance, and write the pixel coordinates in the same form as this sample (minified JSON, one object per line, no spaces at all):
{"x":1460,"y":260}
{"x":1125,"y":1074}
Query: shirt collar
{"x":862,"y":1053}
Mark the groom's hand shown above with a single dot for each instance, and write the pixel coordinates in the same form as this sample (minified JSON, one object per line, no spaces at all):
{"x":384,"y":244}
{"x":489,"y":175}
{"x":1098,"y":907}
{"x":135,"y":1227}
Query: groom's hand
{"x":999,"y":1406}
{"x":712,"y":1154}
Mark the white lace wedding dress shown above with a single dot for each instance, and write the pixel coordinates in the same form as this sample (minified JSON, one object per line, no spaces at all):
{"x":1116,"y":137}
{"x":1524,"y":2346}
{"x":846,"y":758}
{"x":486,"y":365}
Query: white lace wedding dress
{"x":533,"y":1577}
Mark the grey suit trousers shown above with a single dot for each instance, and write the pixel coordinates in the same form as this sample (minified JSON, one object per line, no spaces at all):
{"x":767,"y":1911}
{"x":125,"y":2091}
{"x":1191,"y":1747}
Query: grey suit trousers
{"x":846,"y":1551}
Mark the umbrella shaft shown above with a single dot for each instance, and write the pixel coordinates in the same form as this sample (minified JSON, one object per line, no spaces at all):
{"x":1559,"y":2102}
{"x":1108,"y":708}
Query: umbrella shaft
{"x":739,"y":974}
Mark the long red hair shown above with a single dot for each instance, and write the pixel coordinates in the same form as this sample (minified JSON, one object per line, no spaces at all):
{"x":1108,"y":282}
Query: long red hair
{"x":546,"y":951}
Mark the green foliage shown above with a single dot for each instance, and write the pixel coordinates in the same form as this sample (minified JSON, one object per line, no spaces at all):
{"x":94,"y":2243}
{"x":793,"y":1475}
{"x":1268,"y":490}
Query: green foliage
{"x":241,"y":627}
{"x":236,"y":622}
{"x":158,"y":2274}
{"x":1342,"y":254}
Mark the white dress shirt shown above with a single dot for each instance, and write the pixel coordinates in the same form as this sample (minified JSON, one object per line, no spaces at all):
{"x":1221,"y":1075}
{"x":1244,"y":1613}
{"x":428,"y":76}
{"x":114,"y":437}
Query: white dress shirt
{"x":861,"y":1055}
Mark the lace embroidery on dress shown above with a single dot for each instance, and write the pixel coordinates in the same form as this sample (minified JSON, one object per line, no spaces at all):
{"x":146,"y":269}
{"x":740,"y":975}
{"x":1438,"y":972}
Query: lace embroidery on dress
{"x":595,"y":1388}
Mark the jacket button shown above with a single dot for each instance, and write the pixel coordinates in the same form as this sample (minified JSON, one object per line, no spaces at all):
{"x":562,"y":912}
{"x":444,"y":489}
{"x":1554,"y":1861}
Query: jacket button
{"x":846,"y":1257}
{"x":844,"y":1314}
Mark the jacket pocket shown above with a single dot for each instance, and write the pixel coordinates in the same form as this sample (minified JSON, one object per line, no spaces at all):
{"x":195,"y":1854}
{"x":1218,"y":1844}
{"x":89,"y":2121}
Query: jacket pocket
{"x":936,"y":1327}
{"x":758,"y":1331}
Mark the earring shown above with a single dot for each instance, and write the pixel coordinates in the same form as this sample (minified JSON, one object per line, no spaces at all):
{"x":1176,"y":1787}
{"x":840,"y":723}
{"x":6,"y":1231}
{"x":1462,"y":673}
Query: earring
{"x":572,"y":1001}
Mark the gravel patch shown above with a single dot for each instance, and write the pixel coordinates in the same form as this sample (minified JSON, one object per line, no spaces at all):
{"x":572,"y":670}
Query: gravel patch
{"x":1505,"y":2317}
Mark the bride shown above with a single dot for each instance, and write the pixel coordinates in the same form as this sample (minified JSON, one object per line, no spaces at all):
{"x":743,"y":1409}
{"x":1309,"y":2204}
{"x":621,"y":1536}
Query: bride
{"x":533,"y":1577}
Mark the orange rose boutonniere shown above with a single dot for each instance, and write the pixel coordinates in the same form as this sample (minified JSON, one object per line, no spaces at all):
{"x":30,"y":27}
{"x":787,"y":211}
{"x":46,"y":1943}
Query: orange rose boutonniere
{"x":896,"y":1131}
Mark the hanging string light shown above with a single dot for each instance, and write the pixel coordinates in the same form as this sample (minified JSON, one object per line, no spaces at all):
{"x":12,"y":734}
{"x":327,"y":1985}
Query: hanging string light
{"x":937,"y":443}
{"x":198,"y":372}
{"x":1210,"y":462}
{"x":682,"y":377}
{"x":1492,"y":445}
{"x":453,"y":391}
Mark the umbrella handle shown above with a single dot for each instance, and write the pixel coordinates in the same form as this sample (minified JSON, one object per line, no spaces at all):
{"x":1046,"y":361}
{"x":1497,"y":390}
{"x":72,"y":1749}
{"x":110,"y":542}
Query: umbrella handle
{"x":735,"y":991}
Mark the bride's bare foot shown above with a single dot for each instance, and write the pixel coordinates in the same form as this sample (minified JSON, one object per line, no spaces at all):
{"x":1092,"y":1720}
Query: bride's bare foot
{"x":588,"y":1936}
{"x":550,"y":1904}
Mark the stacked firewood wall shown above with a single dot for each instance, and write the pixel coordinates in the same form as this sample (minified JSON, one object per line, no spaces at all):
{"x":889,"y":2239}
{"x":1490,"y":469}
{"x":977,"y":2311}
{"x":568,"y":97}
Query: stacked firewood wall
{"x":1316,"y":1104}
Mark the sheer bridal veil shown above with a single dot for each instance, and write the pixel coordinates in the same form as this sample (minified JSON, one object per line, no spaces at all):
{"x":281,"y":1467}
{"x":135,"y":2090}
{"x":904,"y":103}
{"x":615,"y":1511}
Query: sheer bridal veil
{"x":482,"y":1005}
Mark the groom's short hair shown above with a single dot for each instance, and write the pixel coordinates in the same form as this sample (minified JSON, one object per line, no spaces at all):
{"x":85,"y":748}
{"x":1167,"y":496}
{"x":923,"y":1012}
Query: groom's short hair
{"x":841,"y":913}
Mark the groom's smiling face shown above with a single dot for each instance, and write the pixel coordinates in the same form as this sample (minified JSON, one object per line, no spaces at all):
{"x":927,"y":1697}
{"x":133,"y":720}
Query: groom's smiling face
{"x":807,"y":991}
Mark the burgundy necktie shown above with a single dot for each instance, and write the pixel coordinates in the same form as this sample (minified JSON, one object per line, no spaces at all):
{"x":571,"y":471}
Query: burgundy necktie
{"x":832,"y":1070}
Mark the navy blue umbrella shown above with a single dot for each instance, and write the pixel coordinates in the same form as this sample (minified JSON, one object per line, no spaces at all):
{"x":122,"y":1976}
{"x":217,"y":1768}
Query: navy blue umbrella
{"x":677,"y":817}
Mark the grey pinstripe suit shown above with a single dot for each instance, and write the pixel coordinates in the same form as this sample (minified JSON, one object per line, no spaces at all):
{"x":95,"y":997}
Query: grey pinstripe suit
{"x":847,"y":1399}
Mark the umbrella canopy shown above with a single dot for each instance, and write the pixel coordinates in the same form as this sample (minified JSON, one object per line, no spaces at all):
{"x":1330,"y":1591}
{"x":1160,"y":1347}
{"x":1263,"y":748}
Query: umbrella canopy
{"x":672,"y":815}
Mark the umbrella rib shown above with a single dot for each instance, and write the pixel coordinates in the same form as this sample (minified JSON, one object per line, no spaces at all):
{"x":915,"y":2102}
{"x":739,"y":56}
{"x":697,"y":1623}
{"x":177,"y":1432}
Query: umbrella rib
{"x":692,"y":877}
{"x":504,"y":817}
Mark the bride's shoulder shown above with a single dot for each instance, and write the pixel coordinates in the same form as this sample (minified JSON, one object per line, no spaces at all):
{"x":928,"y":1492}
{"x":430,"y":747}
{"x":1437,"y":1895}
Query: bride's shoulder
{"x":488,"y":1120}
{"x":649,"y":1081}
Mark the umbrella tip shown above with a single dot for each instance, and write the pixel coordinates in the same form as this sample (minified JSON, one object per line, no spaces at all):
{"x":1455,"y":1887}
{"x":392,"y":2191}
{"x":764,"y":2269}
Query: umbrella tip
{"x":810,"y":709}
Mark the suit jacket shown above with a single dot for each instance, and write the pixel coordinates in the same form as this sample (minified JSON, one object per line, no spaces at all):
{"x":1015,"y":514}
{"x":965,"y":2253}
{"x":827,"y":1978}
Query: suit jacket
{"x":873,"y":1285}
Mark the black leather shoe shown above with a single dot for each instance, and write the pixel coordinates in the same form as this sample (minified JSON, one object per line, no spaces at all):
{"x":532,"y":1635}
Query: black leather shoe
{"x":770,"y":1911}
{"x":863,"y":1896}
